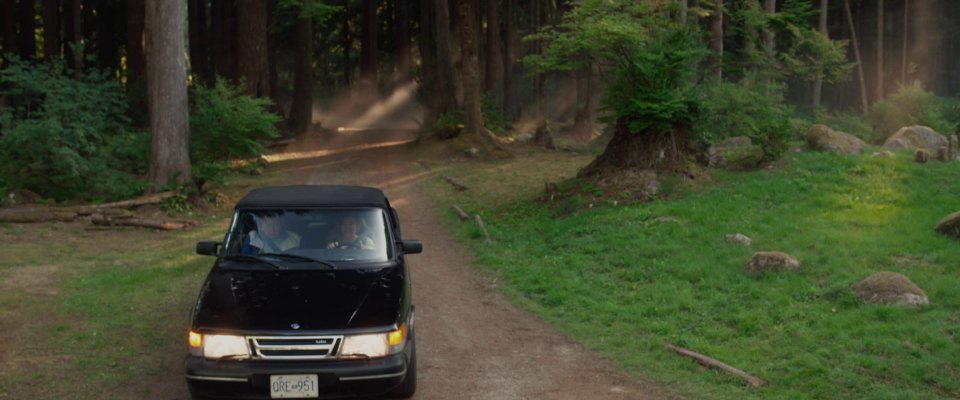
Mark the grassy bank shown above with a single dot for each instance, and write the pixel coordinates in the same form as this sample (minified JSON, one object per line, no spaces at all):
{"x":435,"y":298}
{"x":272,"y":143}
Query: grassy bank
{"x":625,"y":280}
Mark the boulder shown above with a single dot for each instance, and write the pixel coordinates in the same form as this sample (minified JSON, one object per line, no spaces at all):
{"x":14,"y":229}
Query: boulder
{"x":949,"y":225}
{"x":739,"y":238}
{"x":823,"y":138}
{"x":771,"y":261}
{"x":890,"y":288}
{"x":736,"y":153}
{"x":916,"y":137}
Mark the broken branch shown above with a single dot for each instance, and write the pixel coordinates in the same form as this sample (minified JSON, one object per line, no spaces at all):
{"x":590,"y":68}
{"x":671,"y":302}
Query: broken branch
{"x":462,"y":214}
{"x":167,"y":225}
{"x":486,"y":234}
{"x":716,"y":364}
{"x":457,"y":184}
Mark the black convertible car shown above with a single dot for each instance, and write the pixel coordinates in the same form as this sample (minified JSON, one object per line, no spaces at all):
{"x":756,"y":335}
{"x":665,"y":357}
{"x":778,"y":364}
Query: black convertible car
{"x":309,"y":298}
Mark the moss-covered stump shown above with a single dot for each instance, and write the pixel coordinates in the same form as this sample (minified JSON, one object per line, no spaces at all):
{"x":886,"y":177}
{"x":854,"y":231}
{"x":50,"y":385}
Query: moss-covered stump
{"x":950,"y":225}
{"x":737,"y":153}
{"x":771,"y":261}
{"x":890,"y":288}
{"x":823,"y":138}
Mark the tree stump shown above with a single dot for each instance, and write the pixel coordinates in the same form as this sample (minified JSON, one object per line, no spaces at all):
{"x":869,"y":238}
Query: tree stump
{"x":921,"y":156}
{"x":544,"y":136}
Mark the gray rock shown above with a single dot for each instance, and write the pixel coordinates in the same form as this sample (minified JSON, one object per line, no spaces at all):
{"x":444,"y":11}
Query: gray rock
{"x":739,"y":238}
{"x":823,"y":138}
{"x":771,"y":261}
{"x":890,"y":288}
{"x":735,"y":153}
{"x":472,"y":152}
{"x":916,"y":137}
{"x":884,"y":154}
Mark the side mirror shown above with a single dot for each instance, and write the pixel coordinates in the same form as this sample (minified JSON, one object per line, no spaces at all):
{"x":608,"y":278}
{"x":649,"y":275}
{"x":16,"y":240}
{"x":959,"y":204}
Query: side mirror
{"x":411,"y":246}
{"x":208,"y":248}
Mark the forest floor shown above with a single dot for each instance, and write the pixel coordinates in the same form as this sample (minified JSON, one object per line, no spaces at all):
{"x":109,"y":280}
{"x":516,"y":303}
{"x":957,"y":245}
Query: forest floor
{"x":103,"y":314}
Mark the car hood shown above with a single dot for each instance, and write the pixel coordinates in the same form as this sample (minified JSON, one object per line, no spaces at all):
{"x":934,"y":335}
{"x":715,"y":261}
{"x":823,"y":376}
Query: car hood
{"x":282,"y":300}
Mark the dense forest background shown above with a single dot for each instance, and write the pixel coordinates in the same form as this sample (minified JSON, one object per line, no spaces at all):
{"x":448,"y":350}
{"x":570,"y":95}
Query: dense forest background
{"x":109,"y":98}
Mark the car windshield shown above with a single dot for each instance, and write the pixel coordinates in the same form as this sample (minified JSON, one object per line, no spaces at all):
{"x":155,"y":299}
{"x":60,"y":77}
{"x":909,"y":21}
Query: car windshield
{"x":295,"y":236}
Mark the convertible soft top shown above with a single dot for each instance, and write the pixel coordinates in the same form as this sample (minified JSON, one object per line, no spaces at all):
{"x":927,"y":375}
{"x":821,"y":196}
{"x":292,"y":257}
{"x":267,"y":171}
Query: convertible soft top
{"x":313,"y":196}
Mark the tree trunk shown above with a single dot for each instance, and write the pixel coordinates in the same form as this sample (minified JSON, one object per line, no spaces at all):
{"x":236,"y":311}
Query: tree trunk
{"x":856,"y":53}
{"x":27,"y":42}
{"x":428,"y":62}
{"x":9,"y":27}
{"x":445,"y":82}
{"x":51,"y":29}
{"x":167,"y":93}
{"x":469,"y":35}
{"x":402,"y":34}
{"x":301,"y":110}
{"x":684,"y":8}
{"x":924,"y":48}
{"x":583,"y":122}
{"x":818,"y":83}
{"x":368,"y":44}
{"x":880,"y":58}
{"x":494,"y":75}
{"x":509,"y":55}
{"x":108,"y":36}
{"x":252,"y":53}
{"x":74,"y":36}
{"x":906,"y":26}
{"x":716,"y":40}
{"x":199,"y":62}
{"x":347,"y":44}
{"x":224,"y":25}
{"x":273,"y":79}
{"x":769,"y":37}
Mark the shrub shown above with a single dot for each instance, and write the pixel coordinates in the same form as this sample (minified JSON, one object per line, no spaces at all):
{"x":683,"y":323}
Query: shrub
{"x":226,"y":125}
{"x":55,"y":129}
{"x":909,"y":105}
{"x":449,"y":124}
{"x":652,"y":89}
{"x":747,"y":108}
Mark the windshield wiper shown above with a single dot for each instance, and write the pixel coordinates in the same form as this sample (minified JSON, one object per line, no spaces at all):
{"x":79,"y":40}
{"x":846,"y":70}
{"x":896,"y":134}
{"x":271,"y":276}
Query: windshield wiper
{"x":248,"y":258}
{"x":296,"y":257}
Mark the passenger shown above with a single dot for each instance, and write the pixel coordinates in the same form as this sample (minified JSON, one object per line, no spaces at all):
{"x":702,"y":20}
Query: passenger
{"x":350,"y":237}
{"x":271,"y":237}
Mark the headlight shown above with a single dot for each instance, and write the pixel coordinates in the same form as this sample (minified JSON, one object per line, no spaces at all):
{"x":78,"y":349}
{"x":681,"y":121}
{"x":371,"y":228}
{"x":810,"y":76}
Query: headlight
{"x":220,"y":346}
{"x":374,"y":345}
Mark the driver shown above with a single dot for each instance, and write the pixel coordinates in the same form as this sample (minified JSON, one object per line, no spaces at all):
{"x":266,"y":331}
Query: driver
{"x":272,"y":237}
{"x":349,"y":237}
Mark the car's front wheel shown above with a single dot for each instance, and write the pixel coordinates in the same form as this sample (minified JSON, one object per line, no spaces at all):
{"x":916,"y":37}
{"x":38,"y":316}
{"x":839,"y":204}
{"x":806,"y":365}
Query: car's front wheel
{"x":409,"y":385}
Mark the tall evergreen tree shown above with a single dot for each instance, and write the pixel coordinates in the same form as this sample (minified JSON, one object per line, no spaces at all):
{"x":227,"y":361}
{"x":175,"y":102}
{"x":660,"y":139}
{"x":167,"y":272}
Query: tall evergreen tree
{"x":167,"y":93}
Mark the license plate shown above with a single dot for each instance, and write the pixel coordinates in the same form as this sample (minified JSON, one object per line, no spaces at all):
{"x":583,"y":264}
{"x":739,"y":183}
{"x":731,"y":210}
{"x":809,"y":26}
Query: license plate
{"x":293,"y":386}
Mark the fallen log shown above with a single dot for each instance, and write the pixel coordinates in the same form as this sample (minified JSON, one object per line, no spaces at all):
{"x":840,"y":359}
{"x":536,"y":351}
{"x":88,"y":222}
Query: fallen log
{"x":483,"y":227}
{"x":29,"y":215}
{"x":139,"y":201}
{"x":457,"y":184}
{"x":156,"y":223}
{"x":460,"y":213}
{"x":716,"y":364}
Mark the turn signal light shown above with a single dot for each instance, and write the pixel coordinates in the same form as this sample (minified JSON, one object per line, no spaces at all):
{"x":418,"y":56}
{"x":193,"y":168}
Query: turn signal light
{"x":195,"y":339}
{"x":395,"y":338}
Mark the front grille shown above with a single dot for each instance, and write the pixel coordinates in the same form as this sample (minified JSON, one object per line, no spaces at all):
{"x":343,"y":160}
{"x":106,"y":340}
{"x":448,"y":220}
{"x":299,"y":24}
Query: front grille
{"x":295,"y":347}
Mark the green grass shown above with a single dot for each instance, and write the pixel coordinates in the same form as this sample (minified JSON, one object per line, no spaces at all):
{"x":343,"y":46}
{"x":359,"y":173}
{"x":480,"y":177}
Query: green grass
{"x":112,"y":312}
{"x":625,"y":280}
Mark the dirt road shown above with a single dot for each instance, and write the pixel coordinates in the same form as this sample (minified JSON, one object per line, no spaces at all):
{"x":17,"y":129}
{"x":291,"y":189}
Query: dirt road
{"x":472,"y":343}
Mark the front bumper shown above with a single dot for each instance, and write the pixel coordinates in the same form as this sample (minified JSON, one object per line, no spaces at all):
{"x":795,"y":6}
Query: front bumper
{"x":250,"y":379}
